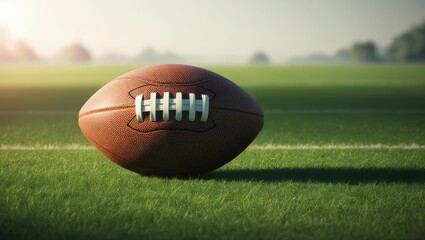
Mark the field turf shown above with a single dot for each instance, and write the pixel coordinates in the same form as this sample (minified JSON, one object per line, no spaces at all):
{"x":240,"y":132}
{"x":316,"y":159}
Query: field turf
{"x":341,"y":156}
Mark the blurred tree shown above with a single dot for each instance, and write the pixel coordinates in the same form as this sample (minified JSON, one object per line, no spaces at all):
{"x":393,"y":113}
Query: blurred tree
{"x":343,"y":55}
{"x":23,"y":52}
{"x":364,"y":52}
{"x":74,"y":53}
{"x":259,"y":58}
{"x":115,"y":58}
{"x":150,"y":56}
{"x":409,"y":46}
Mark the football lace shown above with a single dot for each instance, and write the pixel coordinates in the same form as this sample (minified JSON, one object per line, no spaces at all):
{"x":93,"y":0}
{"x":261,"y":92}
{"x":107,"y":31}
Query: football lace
{"x":167,"y":104}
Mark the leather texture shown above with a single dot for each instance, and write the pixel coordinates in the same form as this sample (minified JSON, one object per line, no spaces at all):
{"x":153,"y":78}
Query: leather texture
{"x":170,"y":148}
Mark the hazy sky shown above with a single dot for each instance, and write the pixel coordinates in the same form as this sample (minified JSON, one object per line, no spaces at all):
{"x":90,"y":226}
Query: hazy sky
{"x":219,"y":29}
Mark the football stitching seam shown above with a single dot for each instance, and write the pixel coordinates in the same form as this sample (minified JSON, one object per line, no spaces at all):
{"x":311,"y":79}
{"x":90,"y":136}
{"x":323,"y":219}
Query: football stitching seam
{"x":209,"y":90}
{"x":240,"y":111}
{"x":132,"y":106}
{"x":152,"y":82}
{"x":106,"y":109}
{"x":171,"y":129}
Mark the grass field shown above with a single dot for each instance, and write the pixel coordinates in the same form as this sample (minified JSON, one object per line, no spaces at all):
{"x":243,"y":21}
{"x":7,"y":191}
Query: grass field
{"x":341,"y":156}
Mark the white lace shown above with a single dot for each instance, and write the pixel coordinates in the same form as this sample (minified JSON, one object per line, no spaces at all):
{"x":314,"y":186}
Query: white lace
{"x":166,"y":104}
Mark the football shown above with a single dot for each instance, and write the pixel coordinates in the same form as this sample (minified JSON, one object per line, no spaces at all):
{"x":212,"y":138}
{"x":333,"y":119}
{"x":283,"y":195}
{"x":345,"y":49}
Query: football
{"x":171,"y":120}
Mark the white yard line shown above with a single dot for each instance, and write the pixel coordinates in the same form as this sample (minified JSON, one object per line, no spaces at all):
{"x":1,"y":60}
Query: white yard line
{"x":39,"y":147}
{"x":349,"y":110}
{"x":336,"y":147}
{"x":40,"y":113}
{"x":265,"y":147}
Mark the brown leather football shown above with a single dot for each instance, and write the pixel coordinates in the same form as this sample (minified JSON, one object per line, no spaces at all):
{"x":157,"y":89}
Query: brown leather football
{"x":171,"y":120}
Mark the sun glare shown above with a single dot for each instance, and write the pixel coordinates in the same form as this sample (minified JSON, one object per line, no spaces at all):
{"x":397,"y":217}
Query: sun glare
{"x":7,"y":13}
{"x":13,"y":15}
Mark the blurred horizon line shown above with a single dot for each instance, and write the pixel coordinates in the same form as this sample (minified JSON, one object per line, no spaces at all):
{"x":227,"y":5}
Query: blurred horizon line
{"x":18,"y":51}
